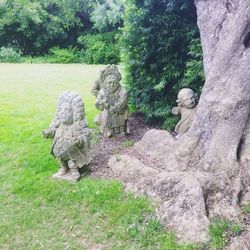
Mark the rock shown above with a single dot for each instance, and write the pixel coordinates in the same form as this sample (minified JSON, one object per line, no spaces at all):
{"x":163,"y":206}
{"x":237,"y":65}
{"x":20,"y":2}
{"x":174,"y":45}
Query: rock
{"x":241,"y":243}
{"x":178,"y":195}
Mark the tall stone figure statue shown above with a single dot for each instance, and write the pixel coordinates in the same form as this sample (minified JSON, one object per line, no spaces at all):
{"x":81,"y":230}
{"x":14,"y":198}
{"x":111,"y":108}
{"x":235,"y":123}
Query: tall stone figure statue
{"x":187,"y":102}
{"x":71,"y":136}
{"x":112,"y":100}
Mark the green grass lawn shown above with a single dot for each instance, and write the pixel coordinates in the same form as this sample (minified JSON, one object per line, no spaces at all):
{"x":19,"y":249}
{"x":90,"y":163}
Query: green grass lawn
{"x":37,"y":212}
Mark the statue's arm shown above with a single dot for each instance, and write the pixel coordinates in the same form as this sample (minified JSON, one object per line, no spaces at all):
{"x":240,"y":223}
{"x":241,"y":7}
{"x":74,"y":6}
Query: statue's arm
{"x":176,"y":110}
{"x":82,"y":134}
{"x":50,"y":132}
{"x":101,"y":101}
{"x":122,"y":103}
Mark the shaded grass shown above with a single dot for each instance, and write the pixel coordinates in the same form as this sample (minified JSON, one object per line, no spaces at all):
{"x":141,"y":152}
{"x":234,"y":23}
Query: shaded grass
{"x":221,"y":230}
{"x":39,"y":213}
{"x":246,"y":208}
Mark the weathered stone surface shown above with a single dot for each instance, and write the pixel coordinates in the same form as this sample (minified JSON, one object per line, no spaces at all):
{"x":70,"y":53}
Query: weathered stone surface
{"x":242,"y":242}
{"x":71,"y":136}
{"x":154,"y":144}
{"x":68,"y":175}
{"x":178,"y":196}
{"x":99,"y":83}
{"x":112,"y":101}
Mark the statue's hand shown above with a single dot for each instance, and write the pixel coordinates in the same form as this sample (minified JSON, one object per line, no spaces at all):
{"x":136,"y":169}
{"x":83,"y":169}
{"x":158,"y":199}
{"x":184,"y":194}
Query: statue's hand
{"x":76,"y":142}
{"x":106,"y":105}
{"x":112,"y":110}
{"x":175,"y":110}
{"x":46,"y":133}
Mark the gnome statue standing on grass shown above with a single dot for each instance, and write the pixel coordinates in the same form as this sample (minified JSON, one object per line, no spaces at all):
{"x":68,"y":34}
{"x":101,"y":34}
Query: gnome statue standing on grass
{"x":187,"y":102}
{"x":112,"y":100}
{"x":71,"y":137}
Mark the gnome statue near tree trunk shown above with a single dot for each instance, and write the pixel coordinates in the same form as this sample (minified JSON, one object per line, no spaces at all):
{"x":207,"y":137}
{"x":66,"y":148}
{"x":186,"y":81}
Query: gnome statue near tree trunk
{"x":187,"y":102}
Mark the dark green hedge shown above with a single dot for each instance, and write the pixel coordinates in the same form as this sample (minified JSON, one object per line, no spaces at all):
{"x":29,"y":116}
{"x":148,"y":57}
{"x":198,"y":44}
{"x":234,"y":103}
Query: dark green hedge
{"x":162,"y":53}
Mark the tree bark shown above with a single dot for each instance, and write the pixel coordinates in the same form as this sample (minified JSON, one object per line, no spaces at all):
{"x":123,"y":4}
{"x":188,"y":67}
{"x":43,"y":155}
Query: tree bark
{"x":222,"y":120}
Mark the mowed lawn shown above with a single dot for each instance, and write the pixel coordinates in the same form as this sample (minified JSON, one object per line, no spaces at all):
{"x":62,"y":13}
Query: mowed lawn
{"x":37,"y":212}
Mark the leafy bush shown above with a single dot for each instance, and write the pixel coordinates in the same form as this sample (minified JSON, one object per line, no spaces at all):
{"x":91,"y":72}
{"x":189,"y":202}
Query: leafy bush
{"x":56,"y":55}
{"x":68,"y":55}
{"x":101,"y":48}
{"x":194,"y":72}
{"x":37,"y":26}
{"x":10,"y":55}
{"x":162,"y":53}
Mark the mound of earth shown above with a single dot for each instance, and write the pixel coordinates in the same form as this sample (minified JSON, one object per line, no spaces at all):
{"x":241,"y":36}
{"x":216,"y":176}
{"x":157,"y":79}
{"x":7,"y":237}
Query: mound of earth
{"x":104,"y":148}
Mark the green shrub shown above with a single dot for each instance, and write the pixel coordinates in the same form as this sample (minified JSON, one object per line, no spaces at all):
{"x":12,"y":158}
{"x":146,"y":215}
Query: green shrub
{"x":221,"y":230}
{"x":56,"y":55}
{"x":246,"y":208}
{"x":101,"y":48}
{"x":67,"y":55}
{"x":162,"y":53}
{"x":10,"y":55}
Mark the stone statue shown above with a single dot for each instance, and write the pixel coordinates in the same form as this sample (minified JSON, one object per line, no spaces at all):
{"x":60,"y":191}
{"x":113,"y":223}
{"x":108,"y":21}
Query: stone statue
{"x":71,"y":136}
{"x":99,"y":83}
{"x":112,"y":100}
{"x":187,"y":101}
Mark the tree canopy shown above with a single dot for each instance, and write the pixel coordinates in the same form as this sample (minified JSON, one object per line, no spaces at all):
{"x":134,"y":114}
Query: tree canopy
{"x":35,"y":26}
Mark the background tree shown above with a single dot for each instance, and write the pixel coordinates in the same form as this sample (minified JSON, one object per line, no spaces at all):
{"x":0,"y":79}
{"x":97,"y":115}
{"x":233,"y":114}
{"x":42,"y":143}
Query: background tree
{"x":108,"y":15}
{"x":34,"y":27}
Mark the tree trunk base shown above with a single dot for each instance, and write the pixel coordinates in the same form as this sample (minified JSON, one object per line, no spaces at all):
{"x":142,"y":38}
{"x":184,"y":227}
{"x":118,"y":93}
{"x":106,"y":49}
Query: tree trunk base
{"x":186,"y":197}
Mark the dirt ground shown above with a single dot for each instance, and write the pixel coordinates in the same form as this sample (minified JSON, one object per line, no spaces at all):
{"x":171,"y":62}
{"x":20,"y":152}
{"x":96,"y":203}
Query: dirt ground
{"x":104,"y":148}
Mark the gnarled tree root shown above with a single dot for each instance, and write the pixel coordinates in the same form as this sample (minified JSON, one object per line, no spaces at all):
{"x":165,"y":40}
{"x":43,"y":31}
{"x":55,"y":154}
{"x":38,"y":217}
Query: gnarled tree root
{"x":186,"y":197}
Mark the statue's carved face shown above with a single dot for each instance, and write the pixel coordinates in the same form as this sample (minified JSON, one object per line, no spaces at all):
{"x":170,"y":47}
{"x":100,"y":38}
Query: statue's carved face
{"x":111,"y":83}
{"x":188,"y":101}
{"x":66,"y":114}
{"x":187,"y":98}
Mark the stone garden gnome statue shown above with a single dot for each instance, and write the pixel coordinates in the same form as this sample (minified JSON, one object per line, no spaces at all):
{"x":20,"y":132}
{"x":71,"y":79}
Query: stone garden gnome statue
{"x":71,"y":136}
{"x":187,"y":102}
{"x":112,"y":100}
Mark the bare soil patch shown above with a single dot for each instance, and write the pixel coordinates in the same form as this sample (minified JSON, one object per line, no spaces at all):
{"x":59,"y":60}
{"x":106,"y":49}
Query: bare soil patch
{"x":120,"y":144}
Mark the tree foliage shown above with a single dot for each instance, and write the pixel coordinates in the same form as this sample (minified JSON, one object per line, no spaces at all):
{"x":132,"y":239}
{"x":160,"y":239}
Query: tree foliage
{"x":162,"y":53}
{"x":35,"y":26}
{"x":108,"y":14}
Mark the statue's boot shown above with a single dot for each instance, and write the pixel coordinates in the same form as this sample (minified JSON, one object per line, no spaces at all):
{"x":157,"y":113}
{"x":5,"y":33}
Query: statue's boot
{"x":75,"y":174}
{"x":63,"y":168}
{"x":63,"y":171}
{"x":74,"y":170}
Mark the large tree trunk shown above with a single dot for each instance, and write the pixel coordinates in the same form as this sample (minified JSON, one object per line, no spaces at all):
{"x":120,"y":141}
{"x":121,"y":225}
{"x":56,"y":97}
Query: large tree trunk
{"x":222,"y":117}
{"x":223,"y":110}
